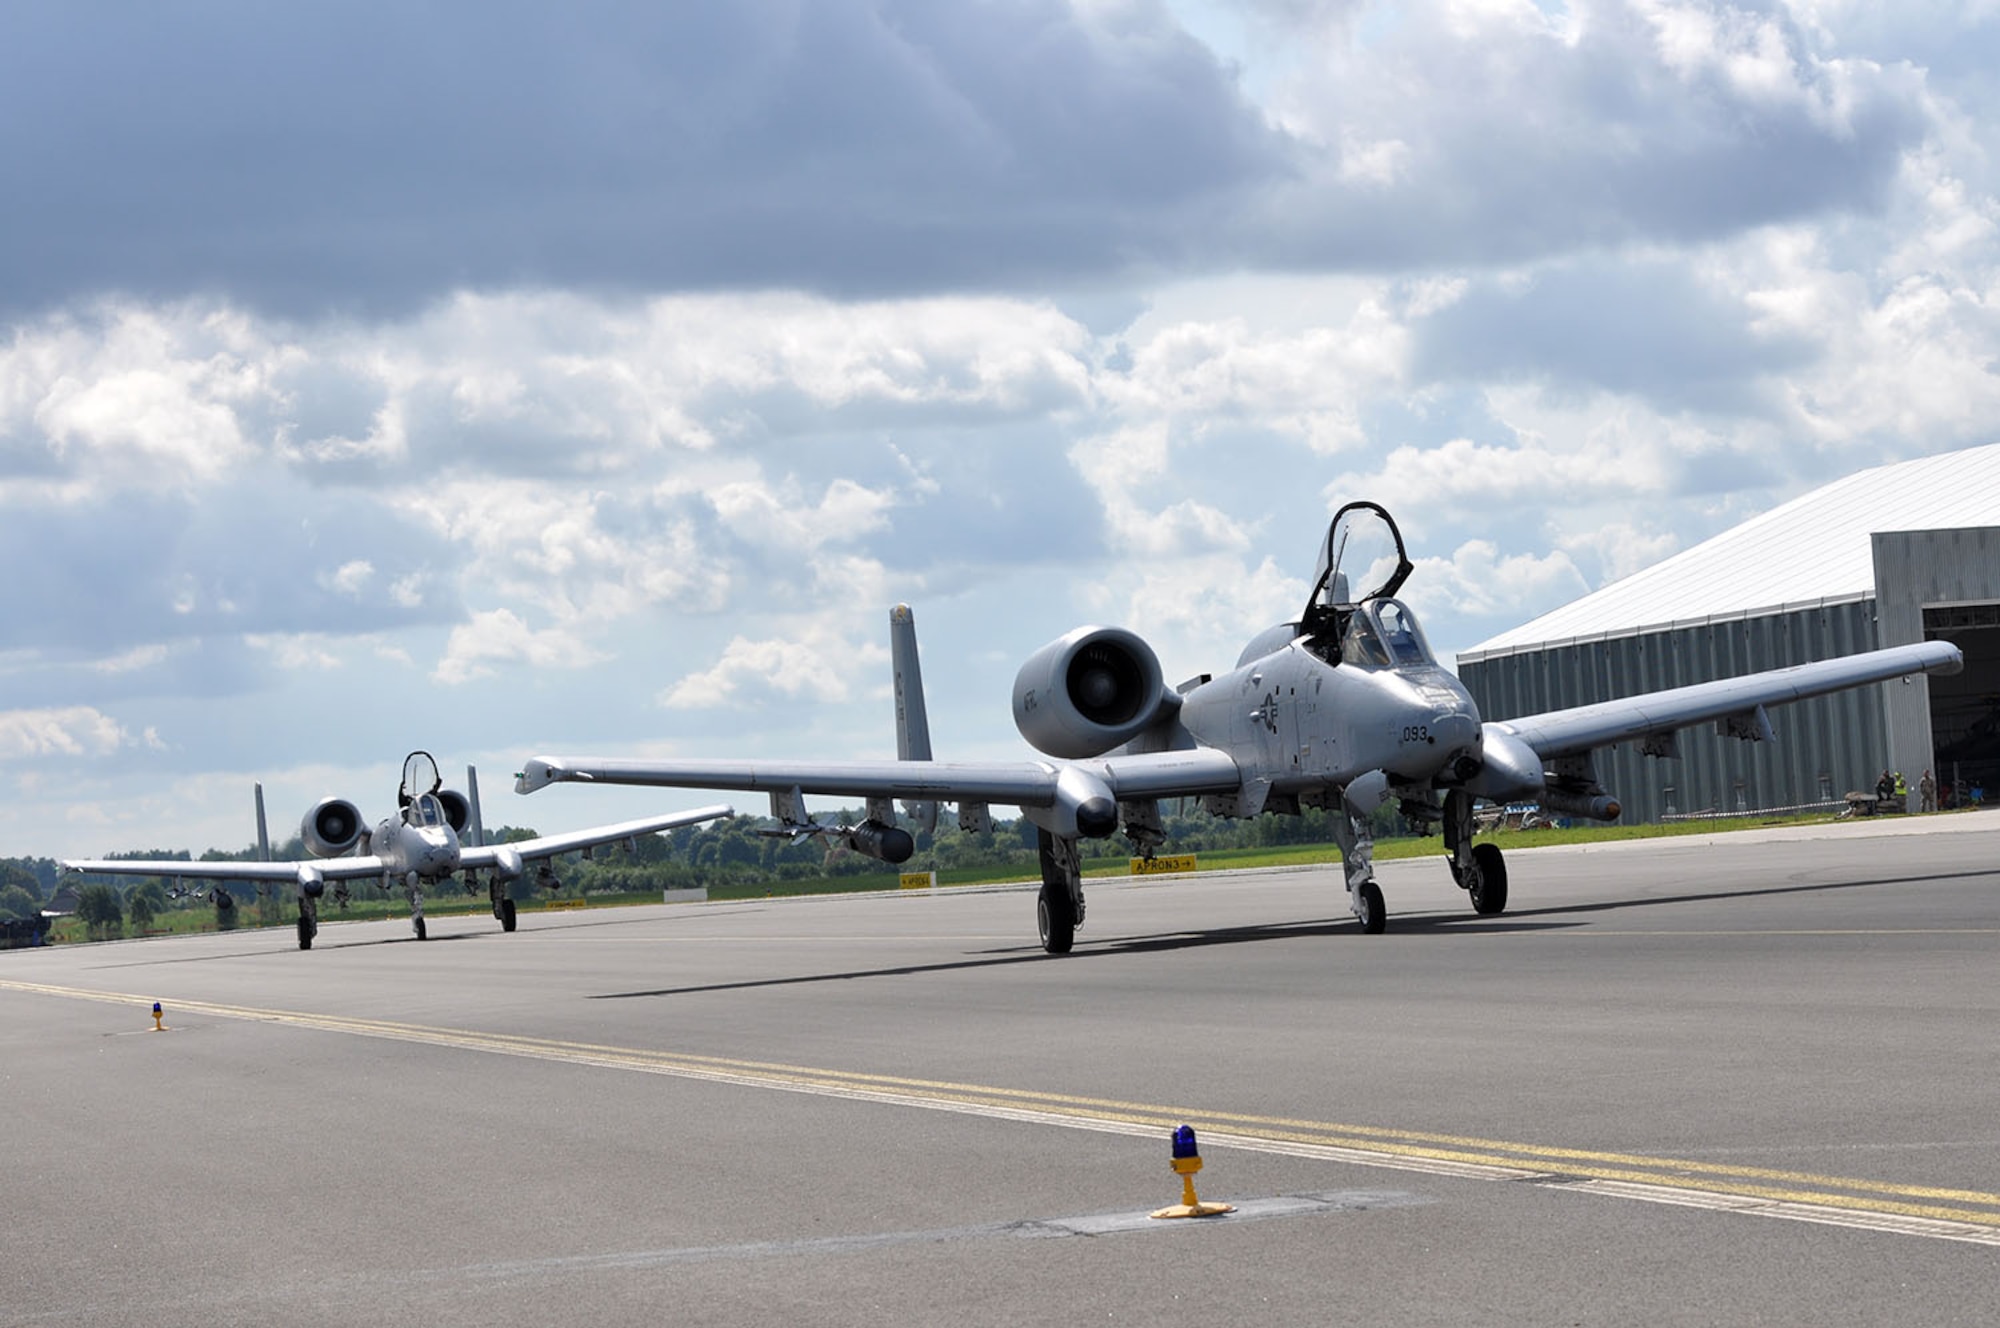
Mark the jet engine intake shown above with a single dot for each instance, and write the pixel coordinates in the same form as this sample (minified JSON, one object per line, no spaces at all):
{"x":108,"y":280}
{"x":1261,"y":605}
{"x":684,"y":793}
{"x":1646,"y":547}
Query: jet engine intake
{"x":457,"y":811}
{"x":332,"y":827}
{"x":884,"y":843}
{"x":1089,"y":691}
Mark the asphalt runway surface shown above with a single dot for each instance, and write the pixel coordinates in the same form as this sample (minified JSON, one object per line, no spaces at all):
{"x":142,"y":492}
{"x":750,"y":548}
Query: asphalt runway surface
{"x":1752,"y":1079}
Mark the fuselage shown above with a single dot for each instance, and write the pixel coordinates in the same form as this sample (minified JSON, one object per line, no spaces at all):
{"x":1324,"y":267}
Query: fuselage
{"x":1302,"y":723}
{"x":421,"y":842}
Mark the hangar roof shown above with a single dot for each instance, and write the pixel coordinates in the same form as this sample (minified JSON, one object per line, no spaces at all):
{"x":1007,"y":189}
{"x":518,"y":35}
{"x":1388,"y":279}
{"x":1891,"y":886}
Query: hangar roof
{"x":1812,"y":549}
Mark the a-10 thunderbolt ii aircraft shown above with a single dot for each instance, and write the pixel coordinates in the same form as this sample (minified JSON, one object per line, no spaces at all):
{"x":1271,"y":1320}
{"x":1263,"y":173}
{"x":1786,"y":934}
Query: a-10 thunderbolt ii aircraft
{"x":416,"y":848}
{"x":1343,"y":708}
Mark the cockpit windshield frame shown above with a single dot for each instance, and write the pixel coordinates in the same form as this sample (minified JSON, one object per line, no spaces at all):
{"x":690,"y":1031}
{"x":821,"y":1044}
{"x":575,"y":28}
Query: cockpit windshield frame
{"x":1401,"y":633}
{"x":1384,"y":634}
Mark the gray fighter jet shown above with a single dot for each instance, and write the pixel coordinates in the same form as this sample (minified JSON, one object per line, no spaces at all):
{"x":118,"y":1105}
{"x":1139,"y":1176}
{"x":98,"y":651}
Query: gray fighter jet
{"x":418,"y":847}
{"x":1344,"y":708}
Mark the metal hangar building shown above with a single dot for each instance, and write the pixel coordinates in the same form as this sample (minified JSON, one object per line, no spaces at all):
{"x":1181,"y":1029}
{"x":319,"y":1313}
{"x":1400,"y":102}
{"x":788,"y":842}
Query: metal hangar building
{"x":1896,"y":554}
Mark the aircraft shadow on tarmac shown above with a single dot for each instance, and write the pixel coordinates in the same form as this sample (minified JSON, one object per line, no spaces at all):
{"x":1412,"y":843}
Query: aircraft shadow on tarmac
{"x":1707,"y":897}
{"x":1112,"y":947}
{"x":436,"y":938}
{"x":1453,"y":924}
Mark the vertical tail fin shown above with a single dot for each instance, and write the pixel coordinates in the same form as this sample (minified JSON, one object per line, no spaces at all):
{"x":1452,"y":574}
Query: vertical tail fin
{"x":913,"y":723}
{"x":263,"y":835}
{"x":475,"y":825}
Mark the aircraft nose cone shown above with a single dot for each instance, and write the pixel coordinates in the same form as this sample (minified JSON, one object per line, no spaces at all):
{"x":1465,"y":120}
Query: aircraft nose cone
{"x":439,"y":857}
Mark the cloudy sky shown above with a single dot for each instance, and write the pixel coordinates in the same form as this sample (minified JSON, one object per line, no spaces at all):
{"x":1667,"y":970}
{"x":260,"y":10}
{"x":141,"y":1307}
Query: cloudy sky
{"x":498,"y":378}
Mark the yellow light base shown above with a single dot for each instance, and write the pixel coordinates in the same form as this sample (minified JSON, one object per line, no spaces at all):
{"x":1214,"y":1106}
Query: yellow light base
{"x":1195,"y":1210}
{"x":1190,"y":1205}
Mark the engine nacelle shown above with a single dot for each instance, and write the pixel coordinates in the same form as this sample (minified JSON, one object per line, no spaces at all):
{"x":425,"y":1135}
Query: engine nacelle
{"x":1088,"y":691}
{"x":457,"y":811}
{"x":332,"y":827}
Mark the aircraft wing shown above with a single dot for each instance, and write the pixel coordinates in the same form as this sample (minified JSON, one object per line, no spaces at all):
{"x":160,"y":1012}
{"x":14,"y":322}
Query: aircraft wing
{"x":1581,"y":729}
{"x":1014,"y":783}
{"x":547,"y":846}
{"x":326,"y":869}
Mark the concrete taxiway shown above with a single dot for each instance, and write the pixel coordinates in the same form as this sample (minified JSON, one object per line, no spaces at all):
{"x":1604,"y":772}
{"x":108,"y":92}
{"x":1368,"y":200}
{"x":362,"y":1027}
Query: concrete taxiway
{"x":1739,"y":1079}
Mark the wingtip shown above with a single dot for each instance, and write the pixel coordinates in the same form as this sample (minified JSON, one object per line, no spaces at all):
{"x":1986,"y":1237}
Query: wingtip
{"x":540,"y":773}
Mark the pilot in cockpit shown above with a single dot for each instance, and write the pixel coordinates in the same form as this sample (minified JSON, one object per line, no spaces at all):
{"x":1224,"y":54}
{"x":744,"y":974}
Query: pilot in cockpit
{"x":1381,"y":634}
{"x":1361,"y":646}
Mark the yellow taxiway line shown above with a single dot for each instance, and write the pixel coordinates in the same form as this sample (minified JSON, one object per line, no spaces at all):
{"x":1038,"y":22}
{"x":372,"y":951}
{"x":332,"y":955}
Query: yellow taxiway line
{"x":1938,"y":1212}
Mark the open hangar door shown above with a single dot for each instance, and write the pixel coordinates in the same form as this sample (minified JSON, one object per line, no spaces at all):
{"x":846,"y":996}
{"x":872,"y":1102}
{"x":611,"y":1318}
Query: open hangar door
{"x":1965,"y":707}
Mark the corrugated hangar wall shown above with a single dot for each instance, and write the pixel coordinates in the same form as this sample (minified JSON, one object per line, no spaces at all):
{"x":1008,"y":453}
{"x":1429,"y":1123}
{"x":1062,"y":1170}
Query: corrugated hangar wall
{"x":1826,"y":746}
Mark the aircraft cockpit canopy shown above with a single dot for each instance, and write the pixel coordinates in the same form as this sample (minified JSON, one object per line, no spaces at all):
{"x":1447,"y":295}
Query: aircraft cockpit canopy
{"x":420,"y":776}
{"x":1363,"y":557}
{"x":1362,"y":560}
{"x":1382,"y":634}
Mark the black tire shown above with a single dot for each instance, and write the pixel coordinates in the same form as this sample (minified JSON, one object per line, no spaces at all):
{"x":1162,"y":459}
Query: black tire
{"x":506,"y":915}
{"x":417,"y":925}
{"x":1055,"y":917}
{"x":306,"y":930}
{"x":1489,"y":888}
{"x":1374,"y":913}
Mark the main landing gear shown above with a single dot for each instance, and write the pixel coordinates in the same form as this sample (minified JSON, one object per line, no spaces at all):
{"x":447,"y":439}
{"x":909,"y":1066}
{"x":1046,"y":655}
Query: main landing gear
{"x":1059,"y":908}
{"x":503,"y":906}
{"x":1479,"y":869}
{"x":308,"y":921}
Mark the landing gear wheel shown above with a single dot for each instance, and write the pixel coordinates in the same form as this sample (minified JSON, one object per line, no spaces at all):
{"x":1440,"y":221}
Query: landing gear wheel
{"x":1055,"y":917}
{"x":306,"y":930}
{"x":1489,"y":880}
{"x":1374,"y":913}
{"x":417,"y":925}
{"x":506,"y":915}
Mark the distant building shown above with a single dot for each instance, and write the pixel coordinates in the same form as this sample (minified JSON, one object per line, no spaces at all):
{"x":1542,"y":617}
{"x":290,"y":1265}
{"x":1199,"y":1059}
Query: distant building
{"x":1900,"y":553}
{"x":22,"y":933}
